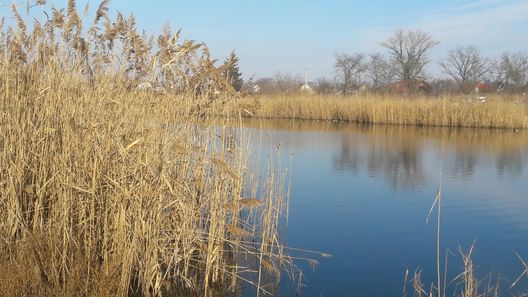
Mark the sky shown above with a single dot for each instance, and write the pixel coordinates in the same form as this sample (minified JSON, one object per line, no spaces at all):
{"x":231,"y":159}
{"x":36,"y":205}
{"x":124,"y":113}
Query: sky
{"x":294,"y":36}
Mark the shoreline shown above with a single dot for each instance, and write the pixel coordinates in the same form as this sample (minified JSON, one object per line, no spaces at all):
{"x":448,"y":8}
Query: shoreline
{"x":501,"y":112}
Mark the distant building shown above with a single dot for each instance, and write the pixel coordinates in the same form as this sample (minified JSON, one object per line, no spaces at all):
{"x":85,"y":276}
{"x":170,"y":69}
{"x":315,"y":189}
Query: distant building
{"x":482,"y":87}
{"x":250,"y":88}
{"x":305,"y":88}
{"x":406,"y":86}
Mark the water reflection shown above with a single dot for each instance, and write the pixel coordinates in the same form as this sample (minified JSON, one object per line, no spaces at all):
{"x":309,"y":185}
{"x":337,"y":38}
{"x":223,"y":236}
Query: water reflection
{"x":464,"y":164}
{"x":399,"y":161}
{"x":362,"y":193}
{"x":510,"y":163}
{"x":398,"y":153}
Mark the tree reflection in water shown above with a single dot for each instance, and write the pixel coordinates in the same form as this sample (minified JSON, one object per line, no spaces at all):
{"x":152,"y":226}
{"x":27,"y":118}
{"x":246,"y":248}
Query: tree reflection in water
{"x":406,"y":156}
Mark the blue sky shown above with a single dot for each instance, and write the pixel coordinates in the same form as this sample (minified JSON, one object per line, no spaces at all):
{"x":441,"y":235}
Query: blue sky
{"x":291,"y":35}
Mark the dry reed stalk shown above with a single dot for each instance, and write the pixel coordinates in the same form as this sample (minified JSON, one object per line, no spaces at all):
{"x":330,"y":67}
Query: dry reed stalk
{"x":110,"y":190}
{"x":499,"y":111}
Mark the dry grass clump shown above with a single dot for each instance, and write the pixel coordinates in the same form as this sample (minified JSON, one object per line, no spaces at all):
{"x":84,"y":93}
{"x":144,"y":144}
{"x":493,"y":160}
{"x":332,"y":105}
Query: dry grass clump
{"x":449,"y":111}
{"x":111,"y":189}
{"x":466,"y":284}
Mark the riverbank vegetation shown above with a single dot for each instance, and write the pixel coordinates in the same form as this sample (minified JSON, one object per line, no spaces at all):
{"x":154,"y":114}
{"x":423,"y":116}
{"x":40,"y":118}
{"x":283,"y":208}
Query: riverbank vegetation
{"x":111,"y":185}
{"x":447,"y":111}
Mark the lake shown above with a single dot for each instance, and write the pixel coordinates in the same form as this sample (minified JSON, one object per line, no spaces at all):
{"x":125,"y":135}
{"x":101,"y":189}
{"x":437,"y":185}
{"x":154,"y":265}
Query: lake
{"x":363,"y":194}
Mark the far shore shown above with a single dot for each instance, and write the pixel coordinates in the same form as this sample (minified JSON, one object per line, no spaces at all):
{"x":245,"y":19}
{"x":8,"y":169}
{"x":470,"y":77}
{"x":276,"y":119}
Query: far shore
{"x":496,"y":111}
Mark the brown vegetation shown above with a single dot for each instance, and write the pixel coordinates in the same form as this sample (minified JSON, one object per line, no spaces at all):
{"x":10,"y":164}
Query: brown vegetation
{"x":449,"y":111}
{"x":108,"y":190}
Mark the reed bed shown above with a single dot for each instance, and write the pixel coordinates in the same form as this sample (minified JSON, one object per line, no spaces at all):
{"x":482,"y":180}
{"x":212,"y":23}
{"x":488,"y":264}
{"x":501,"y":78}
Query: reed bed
{"x":113,"y":183}
{"x":496,"y":111}
{"x":113,"y":189}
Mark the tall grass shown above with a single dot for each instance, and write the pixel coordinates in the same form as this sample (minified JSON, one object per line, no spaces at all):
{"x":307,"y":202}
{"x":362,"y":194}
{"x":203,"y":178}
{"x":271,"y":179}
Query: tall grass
{"x":497,"y":111}
{"x":110,"y":191}
{"x":111,"y":184}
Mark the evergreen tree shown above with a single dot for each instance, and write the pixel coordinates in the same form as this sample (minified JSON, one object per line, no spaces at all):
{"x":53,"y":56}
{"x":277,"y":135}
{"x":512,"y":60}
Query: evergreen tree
{"x":232,"y":72}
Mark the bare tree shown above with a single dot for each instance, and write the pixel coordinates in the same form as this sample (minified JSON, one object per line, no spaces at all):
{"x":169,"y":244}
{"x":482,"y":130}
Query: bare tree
{"x":409,"y":50}
{"x":286,"y":82}
{"x":325,"y":86}
{"x":444,"y":86}
{"x":510,"y":71}
{"x":349,"y":68}
{"x":380,"y":70}
{"x":464,"y":65}
{"x":266,"y":85}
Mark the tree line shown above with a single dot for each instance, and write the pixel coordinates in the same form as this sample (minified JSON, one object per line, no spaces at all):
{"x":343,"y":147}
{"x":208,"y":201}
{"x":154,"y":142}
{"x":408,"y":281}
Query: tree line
{"x":405,"y":60}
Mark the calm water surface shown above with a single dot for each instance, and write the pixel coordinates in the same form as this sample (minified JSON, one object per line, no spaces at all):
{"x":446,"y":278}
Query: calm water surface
{"x":362,"y":194}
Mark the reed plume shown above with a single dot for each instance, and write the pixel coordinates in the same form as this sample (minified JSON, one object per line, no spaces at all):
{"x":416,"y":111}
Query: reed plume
{"x":110,"y":189}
